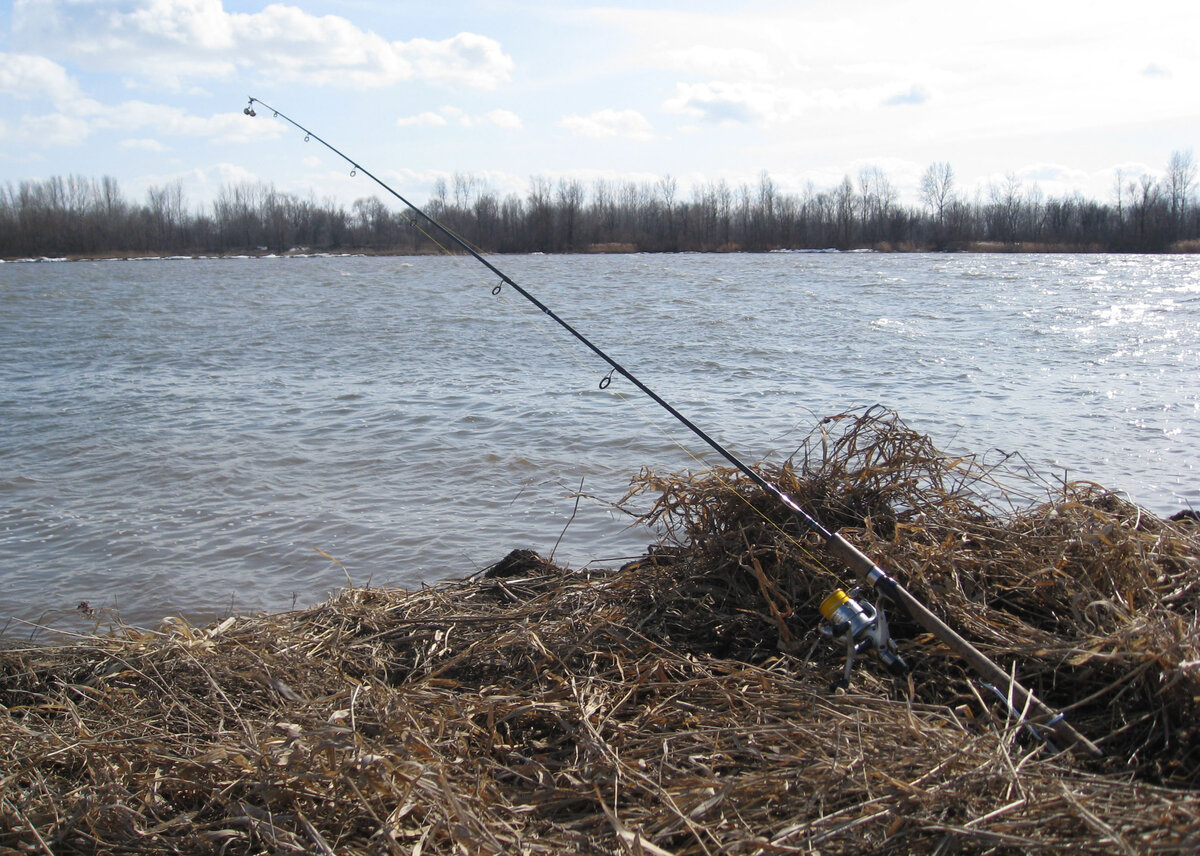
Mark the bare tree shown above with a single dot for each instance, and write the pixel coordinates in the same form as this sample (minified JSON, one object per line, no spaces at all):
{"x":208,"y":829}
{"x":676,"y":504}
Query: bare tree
{"x":1119,"y":194}
{"x":666,"y":189}
{"x":846,"y":203}
{"x":570,"y":202}
{"x":439,"y":200}
{"x":937,"y":188}
{"x":878,"y":197}
{"x":1146,"y":207}
{"x":768,"y":199}
{"x":540,"y":212}
{"x":723,"y":197}
{"x":1181,"y":175}
{"x":466,"y":188}
{"x":604,"y":209}
{"x":70,"y":215}
{"x":167,"y":212}
{"x":1006,"y":203}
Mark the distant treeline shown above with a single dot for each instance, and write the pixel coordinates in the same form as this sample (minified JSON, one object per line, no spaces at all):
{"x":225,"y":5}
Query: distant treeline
{"x":89,"y":217}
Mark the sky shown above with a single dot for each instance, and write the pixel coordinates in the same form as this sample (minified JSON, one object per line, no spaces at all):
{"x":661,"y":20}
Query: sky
{"x":1061,"y":95}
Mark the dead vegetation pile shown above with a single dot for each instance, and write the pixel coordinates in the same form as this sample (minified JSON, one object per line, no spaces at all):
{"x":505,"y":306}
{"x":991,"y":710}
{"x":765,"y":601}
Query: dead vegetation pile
{"x":681,"y":704}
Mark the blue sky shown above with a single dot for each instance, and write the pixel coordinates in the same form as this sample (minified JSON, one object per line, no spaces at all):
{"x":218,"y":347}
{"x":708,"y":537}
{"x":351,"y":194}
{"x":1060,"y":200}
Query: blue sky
{"x":1061,"y":94}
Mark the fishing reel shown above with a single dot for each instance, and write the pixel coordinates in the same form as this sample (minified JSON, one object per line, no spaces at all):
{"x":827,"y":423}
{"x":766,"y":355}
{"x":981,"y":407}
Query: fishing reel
{"x":863,"y":628}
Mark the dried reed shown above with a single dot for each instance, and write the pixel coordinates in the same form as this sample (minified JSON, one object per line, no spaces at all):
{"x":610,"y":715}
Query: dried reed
{"x":680,"y":704}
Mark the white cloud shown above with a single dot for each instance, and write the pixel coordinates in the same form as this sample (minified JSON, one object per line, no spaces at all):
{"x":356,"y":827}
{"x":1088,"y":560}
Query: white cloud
{"x":145,"y":144}
{"x":449,"y":114}
{"x":77,"y":117}
{"x":133,"y":116}
{"x":230,"y":174}
{"x":52,"y":129}
{"x":724,"y":103}
{"x":629,"y":124}
{"x":721,"y":62}
{"x":785,"y":63}
{"x":455,"y":114}
{"x":167,"y":41}
{"x":468,"y":59}
{"x":505,"y":119}
{"x":915,"y":94}
{"x":36,"y":79}
{"x":200,"y":23}
{"x":427,"y":119}
{"x":732,"y":102}
{"x":1056,"y":180}
{"x":28,"y":76}
{"x":1050,"y":172}
{"x":202,"y":185}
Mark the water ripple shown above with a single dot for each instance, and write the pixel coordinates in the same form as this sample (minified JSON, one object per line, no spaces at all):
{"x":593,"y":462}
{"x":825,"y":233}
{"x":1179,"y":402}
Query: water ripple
{"x":194,"y":436}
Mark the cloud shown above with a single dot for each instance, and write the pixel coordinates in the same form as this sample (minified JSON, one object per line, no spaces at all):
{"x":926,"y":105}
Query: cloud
{"x":814,"y":64}
{"x":28,"y":76}
{"x":446,"y":115}
{"x":427,"y":119}
{"x":145,"y":144}
{"x":52,"y":129}
{"x":629,"y":124}
{"x":468,"y":59}
{"x":723,"y":103}
{"x":720,"y":62}
{"x":168,"y":41}
{"x":77,"y":117}
{"x":173,"y":121}
{"x":457,"y":115}
{"x":41,"y":81}
{"x":229,"y":174}
{"x":505,"y":119}
{"x":1044,"y":180}
{"x":1054,"y":179}
{"x":1049,"y":172}
{"x":914,"y":95}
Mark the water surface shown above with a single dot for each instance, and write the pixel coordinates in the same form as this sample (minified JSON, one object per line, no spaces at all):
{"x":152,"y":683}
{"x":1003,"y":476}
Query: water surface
{"x":197,"y":437}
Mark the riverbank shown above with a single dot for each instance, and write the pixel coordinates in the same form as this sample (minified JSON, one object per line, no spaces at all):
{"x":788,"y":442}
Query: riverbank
{"x":679,"y":704}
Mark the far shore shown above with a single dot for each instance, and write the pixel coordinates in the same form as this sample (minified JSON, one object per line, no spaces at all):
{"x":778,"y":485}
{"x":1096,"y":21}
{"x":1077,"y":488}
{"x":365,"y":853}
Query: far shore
{"x":1179,"y":248}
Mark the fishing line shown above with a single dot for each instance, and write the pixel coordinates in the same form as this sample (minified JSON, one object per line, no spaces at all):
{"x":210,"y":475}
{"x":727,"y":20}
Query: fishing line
{"x":863,"y":567}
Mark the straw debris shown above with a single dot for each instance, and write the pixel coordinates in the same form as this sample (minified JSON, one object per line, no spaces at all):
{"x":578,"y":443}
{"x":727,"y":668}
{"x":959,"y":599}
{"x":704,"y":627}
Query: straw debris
{"x":678,"y":705}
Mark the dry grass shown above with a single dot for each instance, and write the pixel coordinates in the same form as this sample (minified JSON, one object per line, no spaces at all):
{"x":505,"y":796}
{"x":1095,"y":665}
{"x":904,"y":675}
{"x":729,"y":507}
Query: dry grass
{"x":679,"y":705}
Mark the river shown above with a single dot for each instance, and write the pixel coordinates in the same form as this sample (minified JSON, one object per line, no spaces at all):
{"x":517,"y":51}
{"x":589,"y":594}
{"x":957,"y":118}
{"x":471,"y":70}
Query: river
{"x":197,"y":437}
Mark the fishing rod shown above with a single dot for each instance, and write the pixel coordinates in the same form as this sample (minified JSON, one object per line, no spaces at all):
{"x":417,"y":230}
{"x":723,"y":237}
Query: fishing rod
{"x":859,"y":631}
